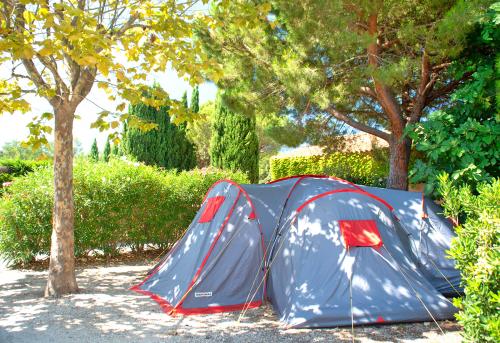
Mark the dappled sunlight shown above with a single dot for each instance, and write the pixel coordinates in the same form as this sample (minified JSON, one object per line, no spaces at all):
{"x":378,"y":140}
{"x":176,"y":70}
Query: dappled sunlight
{"x":107,"y":310}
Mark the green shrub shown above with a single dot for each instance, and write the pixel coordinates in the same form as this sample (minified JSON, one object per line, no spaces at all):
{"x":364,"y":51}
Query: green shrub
{"x":117,"y":204}
{"x":476,"y":250}
{"x":357,"y":167}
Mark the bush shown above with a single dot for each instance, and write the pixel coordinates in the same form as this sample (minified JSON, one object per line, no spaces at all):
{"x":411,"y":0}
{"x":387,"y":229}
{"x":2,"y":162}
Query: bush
{"x":476,"y":250}
{"x":14,"y":168}
{"x":358,"y":167}
{"x":117,"y":204}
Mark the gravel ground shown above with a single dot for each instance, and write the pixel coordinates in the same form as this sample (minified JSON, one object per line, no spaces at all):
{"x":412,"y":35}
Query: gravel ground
{"x":106,"y":311}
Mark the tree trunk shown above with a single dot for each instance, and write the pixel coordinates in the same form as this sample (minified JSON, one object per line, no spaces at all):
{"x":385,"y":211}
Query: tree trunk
{"x":399,"y":159}
{"x":62,"y":278}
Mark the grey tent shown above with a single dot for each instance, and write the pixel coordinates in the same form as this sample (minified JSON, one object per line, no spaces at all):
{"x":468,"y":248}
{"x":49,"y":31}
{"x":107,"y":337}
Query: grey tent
{"x":324,"y":251}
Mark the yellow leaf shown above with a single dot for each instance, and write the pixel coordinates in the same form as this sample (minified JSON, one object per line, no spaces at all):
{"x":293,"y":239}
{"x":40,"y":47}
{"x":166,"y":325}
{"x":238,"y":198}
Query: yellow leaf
{"x":88,"y":60}
{"x":27,"y":52}
{"x":45,"y":51}
{"x":28,"y":16}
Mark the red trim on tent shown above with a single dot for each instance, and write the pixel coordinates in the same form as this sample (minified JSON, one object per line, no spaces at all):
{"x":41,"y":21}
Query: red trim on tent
{"x":205,"y":259}
{"x":217,"y":309}
{"x":213,"y":205}
{"x":170,"y":310}
{"x":319,"y":176}
{"x":165,"y":305}
{"x":360,"y":233}
{"x":344,"y":190}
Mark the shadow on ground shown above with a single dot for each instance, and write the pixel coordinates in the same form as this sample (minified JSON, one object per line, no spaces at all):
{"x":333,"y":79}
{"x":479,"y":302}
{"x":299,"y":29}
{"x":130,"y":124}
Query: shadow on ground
{"x":106,"y":311}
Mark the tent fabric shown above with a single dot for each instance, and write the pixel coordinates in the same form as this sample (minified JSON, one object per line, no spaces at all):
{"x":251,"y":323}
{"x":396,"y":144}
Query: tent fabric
{"x":197,"y":277}
{"x":324,"y":251}
{"x":430,"y":236}
{"x":312,"y":270}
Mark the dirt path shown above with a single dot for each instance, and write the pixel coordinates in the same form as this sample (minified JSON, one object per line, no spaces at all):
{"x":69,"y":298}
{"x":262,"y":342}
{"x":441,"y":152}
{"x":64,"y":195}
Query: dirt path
{"x":106,"y":311}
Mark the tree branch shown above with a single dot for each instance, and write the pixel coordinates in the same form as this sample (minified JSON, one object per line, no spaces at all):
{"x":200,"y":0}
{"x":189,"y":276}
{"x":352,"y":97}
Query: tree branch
{"x":426,"y":85}
{"x":357,"y":125}
{"x":384,"y":95}
{"x":368,"y":92}
{"x":448,"y":88}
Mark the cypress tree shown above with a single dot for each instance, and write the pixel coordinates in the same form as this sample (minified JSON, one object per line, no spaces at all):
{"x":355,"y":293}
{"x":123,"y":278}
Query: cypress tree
{"x":234,"y":144}
{"x":107,"y":151}
{"x":94,"y":151}
{"x":166,"y":146}
{"x":195,"y":100}
{"x":115,"y":151}
{"x":184,"y":100}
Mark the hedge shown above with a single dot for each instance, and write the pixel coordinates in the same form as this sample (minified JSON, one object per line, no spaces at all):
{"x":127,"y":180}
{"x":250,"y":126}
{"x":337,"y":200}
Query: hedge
{"x":117,"y":204}
{"x":366,"y":168}
{"x":476,"y":250}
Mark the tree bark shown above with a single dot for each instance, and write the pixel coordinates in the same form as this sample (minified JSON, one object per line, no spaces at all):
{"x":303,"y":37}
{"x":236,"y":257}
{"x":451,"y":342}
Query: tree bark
{"x":62,"y":279}
{"x":399,"y":160}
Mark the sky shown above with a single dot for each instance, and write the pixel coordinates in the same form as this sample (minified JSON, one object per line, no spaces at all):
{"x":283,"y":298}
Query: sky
{"x":13,"y":127}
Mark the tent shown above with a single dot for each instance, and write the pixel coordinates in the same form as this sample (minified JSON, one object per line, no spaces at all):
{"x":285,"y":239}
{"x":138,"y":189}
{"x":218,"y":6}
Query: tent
{"x":324,"y":251}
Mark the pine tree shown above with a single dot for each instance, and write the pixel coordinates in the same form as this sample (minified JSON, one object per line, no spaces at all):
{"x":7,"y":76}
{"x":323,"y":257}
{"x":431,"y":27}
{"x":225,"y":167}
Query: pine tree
{"x":195,"y":100}
{"x":94,"y":151}
{"x":166,"y":146}
{"x":234,"y":144}
{"x":107,"y":151}
{"x":376,"y":66}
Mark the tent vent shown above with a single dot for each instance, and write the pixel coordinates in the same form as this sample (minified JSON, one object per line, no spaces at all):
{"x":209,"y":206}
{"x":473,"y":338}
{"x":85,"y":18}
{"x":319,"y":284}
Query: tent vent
{"x":211,"y":208}
{"x":360,"y":233}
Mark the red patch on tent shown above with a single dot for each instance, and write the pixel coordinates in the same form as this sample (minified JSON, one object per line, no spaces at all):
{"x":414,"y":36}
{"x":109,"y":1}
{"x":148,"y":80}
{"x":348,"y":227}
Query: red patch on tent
{"x":380,"y":319}
{"x":211,"y":208}
{"x":360,"y":233}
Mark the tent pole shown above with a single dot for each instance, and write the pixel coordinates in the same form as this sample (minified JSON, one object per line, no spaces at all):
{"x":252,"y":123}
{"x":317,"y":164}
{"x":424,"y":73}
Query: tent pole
{"x":350,"y":296}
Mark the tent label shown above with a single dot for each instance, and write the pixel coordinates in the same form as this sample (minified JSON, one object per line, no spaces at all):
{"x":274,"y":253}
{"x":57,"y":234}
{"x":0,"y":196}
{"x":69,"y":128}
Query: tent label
{"x":202,"y":294}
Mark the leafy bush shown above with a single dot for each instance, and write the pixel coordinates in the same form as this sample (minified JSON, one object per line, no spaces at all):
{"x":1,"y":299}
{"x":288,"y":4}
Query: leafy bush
{"x":461,"y":138}
{"x":117,"y":204}
{"x":357,"y":167}
{"x":14,"y":168}
{"x":476,"y":250}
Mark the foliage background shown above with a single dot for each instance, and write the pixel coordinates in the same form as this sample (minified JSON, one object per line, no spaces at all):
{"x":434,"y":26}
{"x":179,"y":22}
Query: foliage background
{"x":365,"y":168}
{"x":117,"y":204}
{"x":461,"y":138}
{"x":234,"y":143}
{"x":165,"y":145}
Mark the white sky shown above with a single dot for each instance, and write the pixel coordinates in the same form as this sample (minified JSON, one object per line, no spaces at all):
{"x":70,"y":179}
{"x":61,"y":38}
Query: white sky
{"x":13,"y":127}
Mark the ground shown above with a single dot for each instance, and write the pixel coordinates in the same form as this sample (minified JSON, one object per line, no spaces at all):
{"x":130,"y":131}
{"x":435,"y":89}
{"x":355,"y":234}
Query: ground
{"x":106,"y":311}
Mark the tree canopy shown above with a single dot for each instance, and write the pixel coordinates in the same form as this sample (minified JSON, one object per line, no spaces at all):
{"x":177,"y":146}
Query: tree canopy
{"x":374,"y":65}
{"x":58,"y":50}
